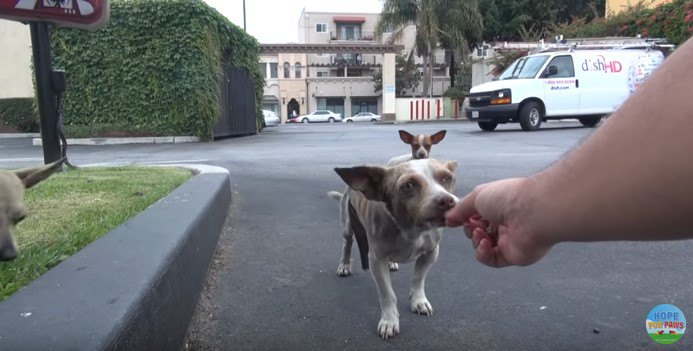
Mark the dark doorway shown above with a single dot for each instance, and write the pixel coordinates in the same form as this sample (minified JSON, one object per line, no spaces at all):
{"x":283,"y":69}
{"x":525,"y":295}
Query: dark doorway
{"x":293,"y":109}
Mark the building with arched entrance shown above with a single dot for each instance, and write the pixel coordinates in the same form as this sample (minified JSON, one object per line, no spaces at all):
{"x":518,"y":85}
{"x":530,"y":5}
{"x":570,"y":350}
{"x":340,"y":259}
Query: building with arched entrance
{"x":333,"y":64}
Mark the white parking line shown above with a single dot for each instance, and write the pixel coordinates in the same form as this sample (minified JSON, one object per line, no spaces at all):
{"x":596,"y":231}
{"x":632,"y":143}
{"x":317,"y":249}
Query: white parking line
{"x":22,"y":159}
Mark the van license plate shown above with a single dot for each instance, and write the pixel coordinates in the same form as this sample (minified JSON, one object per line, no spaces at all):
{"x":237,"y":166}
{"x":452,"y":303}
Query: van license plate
{"x":475,"y":114}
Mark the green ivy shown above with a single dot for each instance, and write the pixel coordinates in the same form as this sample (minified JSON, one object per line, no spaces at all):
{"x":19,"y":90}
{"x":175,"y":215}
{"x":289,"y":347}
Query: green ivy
{"x":155,"y":68}
{"x":19,"y":113}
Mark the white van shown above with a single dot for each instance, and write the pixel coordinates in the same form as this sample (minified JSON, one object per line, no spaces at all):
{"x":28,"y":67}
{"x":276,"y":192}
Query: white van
{"x":582,"y":84}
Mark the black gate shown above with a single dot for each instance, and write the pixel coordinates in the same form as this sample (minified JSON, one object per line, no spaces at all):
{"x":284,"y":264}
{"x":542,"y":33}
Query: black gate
{"x":237,"y":104}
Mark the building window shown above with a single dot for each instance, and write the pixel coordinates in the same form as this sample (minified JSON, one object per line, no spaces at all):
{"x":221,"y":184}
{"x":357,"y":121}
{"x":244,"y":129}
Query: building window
{"x":263,"y":68}
{"x":321,"y":27}
{"x":364,"y":104}
{"x":273,"y":70}
{"x":349,"y":32}
{"x":333,"y":104}
{"x":298,"y":70}
{"x":287,"y":70}
{"x":323,"y":74}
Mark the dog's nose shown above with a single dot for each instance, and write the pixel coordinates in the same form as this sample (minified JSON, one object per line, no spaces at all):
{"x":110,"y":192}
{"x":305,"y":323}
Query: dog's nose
{"x":445,"y":202}
{"x":420,"y":155}
{"x":8,"y":253}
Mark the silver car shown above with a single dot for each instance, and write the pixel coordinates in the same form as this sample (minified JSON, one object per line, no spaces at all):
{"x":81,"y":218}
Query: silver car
{"x":363,"y":117}
{"x":320,"y":116}
{"x":271,"y":118}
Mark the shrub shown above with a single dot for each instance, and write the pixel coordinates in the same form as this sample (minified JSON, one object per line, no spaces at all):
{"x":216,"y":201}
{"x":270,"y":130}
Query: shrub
{"x":456,"y":93}
{"x":20,"y":114}
{"x":155,"y":68}
{"x":502,"y":61}
{"x":672,"y":20}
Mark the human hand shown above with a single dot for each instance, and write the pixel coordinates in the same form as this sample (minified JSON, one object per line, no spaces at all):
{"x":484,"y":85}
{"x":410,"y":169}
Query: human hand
{"x":498,"y":218}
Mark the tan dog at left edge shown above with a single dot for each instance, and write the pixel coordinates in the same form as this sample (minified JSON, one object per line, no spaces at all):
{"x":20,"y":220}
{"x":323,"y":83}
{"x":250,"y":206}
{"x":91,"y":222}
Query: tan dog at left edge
{"x":12,"y":210}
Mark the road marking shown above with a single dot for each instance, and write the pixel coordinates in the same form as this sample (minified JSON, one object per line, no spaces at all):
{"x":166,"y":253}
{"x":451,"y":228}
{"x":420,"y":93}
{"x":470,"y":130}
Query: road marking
{"x":22,"y":159}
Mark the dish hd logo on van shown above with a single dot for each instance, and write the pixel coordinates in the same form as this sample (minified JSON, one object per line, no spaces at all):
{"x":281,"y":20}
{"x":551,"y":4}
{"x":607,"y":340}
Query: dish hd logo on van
{"x":599,"y":63}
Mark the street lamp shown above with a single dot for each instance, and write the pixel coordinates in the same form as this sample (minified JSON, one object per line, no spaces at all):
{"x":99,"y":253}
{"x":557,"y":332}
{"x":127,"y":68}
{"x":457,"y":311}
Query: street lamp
{"x":244,"y":15}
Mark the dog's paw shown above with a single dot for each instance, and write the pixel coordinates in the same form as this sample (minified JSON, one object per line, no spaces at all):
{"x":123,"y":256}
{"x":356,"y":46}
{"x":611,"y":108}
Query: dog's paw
{"x":388,"y":326}
{"x":421,"y":306}
{"x":393,"y":266}
{"x":344,"y":269}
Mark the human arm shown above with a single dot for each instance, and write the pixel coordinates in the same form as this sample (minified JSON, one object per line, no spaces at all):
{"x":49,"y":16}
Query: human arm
{"x":631,"y":180}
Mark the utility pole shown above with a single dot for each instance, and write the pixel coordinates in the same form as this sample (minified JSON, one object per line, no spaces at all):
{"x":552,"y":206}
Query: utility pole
{"x":244,"y":16}
{"x":45,"y":91}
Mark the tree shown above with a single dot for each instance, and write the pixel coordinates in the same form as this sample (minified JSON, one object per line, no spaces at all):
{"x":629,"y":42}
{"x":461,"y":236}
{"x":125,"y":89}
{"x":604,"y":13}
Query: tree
{"x":407,"y":76}
{"x":450,"y":24}
{"x":532,"y":20}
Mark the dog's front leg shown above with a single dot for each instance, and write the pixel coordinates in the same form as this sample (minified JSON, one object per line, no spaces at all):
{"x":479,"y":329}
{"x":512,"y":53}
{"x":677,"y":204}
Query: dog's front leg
{"x":389,"y":317}
{"x":419,"y":302}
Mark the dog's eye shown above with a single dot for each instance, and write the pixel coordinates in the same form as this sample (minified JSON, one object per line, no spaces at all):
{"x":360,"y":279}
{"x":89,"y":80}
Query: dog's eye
{"x":416,"y":146}
{"x":446,"y":179}
{"x":410,"y":185}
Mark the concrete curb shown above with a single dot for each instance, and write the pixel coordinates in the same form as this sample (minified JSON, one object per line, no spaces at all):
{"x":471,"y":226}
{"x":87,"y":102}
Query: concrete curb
{"x":19,"y":135}
{"x":122,"y":141}
{"x":136,"y":287}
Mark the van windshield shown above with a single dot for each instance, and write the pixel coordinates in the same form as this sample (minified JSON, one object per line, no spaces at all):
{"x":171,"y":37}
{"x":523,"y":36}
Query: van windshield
{"x":523,"y":68}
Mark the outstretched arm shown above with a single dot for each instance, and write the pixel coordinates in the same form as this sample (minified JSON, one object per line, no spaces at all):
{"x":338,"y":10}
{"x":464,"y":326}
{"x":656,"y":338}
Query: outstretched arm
{"x":631,"y":180}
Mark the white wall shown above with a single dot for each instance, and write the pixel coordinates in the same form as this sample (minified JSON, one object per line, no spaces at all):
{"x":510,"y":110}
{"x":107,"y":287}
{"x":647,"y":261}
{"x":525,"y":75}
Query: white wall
{"x":418,"y":109}
{"x":15,"y":60}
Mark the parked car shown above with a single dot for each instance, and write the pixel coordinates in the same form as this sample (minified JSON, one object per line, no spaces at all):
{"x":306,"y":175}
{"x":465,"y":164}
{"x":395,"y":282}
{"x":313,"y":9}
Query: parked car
{"x":363,"y":117}
{"x":271,"y":118}
{"x":319,"y":116}
{"x":582,"y":84}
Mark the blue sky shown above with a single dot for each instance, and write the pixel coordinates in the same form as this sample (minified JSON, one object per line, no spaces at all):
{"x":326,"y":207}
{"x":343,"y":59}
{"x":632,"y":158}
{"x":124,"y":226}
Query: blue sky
{"x":276,"y":21}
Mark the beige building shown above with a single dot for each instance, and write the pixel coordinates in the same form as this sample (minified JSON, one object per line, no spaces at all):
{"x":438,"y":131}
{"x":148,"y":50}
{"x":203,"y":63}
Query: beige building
{"x":338,"y":82}
{"x":616,"y":6}
{"x":15,"y":60}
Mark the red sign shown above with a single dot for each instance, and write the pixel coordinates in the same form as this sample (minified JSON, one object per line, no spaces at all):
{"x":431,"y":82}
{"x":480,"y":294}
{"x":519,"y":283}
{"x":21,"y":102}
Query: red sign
{"x":86,"y":14}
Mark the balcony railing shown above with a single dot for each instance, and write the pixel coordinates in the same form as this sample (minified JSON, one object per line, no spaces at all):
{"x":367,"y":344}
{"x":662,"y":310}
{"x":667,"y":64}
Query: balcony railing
{"x":351,"y":35}
{"x":353,"y":59}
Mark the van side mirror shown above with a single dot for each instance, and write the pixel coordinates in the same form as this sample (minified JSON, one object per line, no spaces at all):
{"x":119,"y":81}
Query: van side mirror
{"x":550,"y":71}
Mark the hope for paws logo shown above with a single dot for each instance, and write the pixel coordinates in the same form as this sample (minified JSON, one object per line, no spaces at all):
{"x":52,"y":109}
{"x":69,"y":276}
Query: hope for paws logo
{"x":666,"y":324}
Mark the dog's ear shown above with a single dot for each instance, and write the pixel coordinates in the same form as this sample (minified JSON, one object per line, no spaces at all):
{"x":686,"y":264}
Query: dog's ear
{"x":366,"y":179}
{"x":405,"y":136}
{"x":34,"y":175}
{"x":451,"y":165}
{"x":437,"y":137}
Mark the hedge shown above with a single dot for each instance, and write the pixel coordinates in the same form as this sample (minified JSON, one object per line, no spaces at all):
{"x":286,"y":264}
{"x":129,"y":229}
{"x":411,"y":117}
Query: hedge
{"x":19,"y":114}
{"x":155,"y":69}
{"x":672,"y":20}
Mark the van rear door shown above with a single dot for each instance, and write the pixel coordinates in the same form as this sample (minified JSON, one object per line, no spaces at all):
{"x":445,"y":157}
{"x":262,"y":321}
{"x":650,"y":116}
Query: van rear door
{"x":561,"y":88}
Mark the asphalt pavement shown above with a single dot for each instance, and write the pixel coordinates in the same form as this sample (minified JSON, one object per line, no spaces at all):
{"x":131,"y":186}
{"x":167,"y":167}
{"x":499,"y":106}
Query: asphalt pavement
{"x":273,"y":284}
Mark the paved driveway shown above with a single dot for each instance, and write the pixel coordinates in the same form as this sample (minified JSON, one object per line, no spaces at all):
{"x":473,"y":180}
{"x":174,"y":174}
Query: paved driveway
{"x":273,"y":284}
